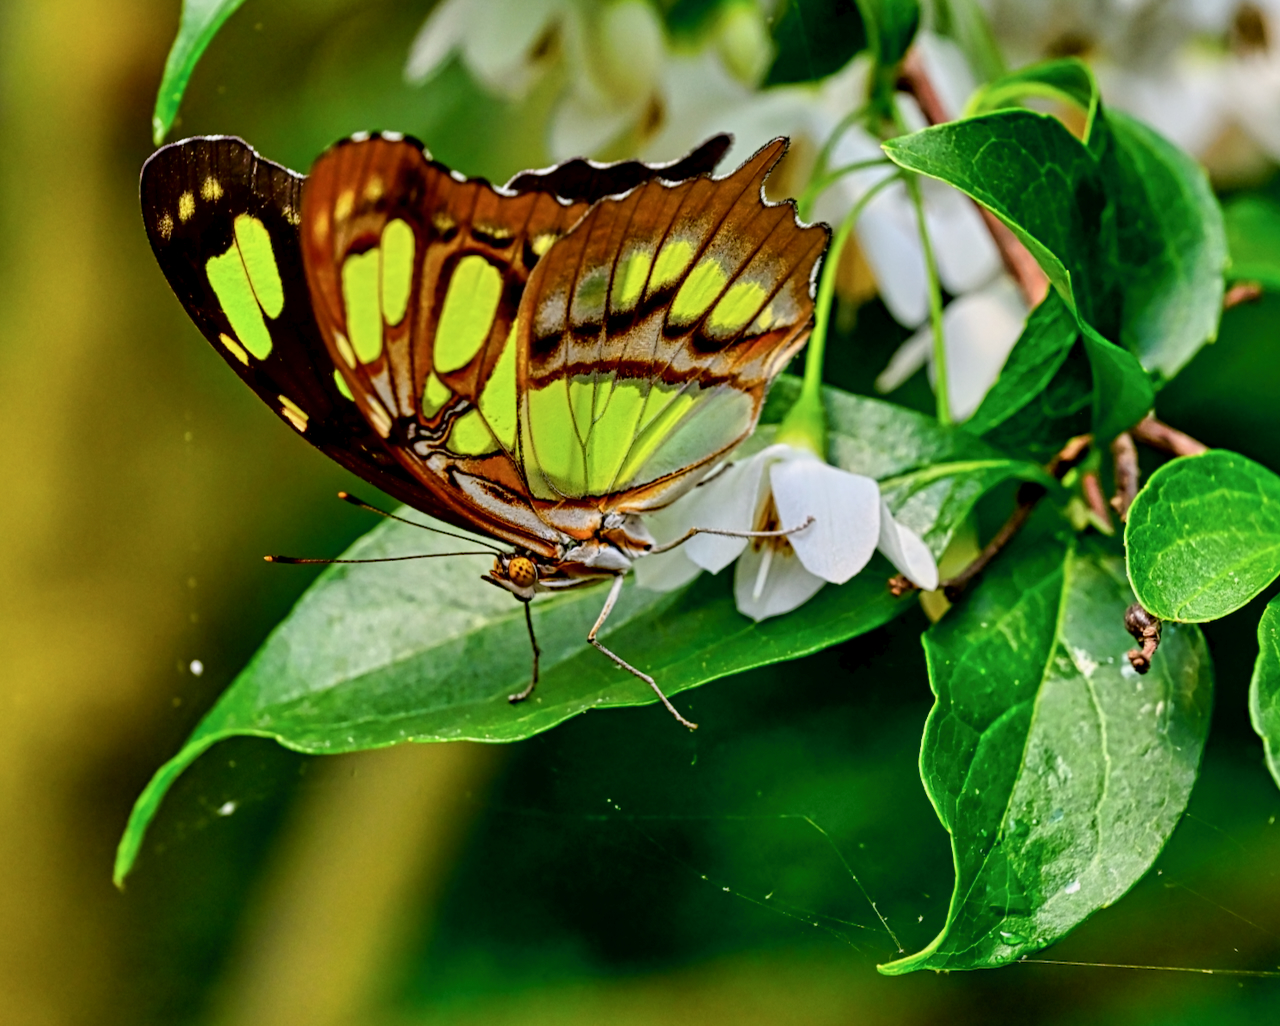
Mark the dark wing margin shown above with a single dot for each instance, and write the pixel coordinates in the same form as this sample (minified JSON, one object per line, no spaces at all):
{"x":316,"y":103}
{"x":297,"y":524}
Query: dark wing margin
{"x":584,"y":181}
{"x":192,"y":194}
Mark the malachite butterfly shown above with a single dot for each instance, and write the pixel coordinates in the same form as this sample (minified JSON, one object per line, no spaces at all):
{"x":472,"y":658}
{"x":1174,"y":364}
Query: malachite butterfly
{"x":542,"y":362}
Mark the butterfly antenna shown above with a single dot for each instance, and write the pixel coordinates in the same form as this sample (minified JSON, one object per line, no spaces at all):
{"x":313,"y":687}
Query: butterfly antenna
{"x":349,"y":498}
{"x":384,"y":559}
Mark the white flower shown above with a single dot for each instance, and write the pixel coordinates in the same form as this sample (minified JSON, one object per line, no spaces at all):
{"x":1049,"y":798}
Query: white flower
{"x":1204,"y":73}
{"x":778,"y":488}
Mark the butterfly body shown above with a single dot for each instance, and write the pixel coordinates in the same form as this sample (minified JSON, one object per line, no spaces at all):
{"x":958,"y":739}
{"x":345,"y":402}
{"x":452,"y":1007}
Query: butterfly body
{"x":543,"y":362}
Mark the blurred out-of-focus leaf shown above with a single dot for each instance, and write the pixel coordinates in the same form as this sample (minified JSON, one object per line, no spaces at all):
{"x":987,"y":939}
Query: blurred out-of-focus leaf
{"x":1203,"y":536}
{"x":374,"y":655}
{"x":1253,"y":237}
{"x":1264,"y":688}
{"x":1059,"y":772}
{"x":814,"y":39}
{"x":200,"y":22}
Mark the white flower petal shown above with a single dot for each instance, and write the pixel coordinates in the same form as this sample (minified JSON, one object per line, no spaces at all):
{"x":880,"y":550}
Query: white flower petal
{"x":909,"y":358}
{"x":498,"y":45}
{"x":962,"y":245}
{"x":581,"y":126}
{"x":890,"y":240}
{"x":981,"y":329}
{"x":726,"y":503}
{"x":904,"y":549}
{"x":786,"y":585}
{"x":846,"y":512}
{"x":665,"y":571}
{"x":945,"y":64}
{"x":444,"y":29}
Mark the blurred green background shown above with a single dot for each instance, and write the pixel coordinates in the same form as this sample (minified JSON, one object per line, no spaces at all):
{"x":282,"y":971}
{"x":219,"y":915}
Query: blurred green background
{"x":614,"y":870}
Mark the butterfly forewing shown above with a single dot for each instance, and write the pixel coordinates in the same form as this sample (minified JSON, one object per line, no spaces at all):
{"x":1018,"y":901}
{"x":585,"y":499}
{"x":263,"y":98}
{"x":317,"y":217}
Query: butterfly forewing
{"x":223,"y":223}
{"x":650,"y":333}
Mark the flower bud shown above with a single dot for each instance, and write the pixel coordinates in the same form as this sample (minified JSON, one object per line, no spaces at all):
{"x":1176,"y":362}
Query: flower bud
{"x":742,"y":40}
{"x":625,"y":51}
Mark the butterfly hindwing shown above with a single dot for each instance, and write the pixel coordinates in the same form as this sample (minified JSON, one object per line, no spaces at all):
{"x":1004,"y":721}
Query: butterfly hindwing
{"x":650,"y":333}
{"x":223,"y":224}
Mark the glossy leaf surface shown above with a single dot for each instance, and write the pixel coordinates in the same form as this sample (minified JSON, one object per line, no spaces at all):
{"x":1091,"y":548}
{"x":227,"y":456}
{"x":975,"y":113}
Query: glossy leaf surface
{"x":374,"y":655}
{"x":1059,"y":772}
{"x":1203,"y":536}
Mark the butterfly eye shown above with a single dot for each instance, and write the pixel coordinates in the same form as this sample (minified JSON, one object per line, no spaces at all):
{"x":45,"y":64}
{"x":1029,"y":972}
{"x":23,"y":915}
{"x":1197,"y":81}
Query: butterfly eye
{"x":522,"y":573}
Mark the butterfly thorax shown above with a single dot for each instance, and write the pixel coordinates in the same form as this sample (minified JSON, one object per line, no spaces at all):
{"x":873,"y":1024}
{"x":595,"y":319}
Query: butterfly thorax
{"x":620,"y":541}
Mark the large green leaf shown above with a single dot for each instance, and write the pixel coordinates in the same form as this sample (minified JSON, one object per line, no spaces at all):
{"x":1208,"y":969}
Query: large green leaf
{"x":1059,"y":773}
{"x":200,"y":22}
{"x":1253,"y":237}
{"x":1047,"y":187}
{"x":1203,"y":536}
{"x":1264,"y":688}
{"x":378,"y":654}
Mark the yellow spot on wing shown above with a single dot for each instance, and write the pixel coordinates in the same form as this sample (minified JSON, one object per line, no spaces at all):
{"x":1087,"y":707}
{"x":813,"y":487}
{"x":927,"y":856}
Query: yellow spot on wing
{"x":554,"y":451}
{"x":467,"y":315}
{"x":671,"y":263}
{"x":498,"y":400}
{"x":234,"y":348}
{"x":343,"y":205}
{"x":293,"y":412}
{"x":254,"y":242}
{"x":344,"y":349}
{"x":629,"y":280}
{"x":165,"y":226}
{"x":699,"y":291}
{"x":186,"y":206}
{"x":360,"y":298}
{"x":377,"y":416}
{"x":434,"y":395}
{"x":341,"y":382}
{"x":470,"y":436}
{"x":373,"y":189}
{"x":210,"y":189}
{"x":230,"y":283}
{"x":397,"y":270}
{"x":738,"y":306}
{"x":542,"y":242}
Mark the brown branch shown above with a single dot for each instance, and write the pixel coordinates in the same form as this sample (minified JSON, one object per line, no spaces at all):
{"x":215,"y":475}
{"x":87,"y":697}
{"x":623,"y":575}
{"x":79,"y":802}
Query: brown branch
{"x":1160,"y":435}
{"x":1018,"y":261}
{"x":1242,"y":292}
{"x":1028,"y":496}
{"x":1146,"y":630}
{"x":1091,"y":488}
{"x":1125,"y":454}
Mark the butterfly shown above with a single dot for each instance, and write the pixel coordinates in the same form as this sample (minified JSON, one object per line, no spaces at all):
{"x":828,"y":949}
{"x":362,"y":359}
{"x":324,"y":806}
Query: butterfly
{"x":542,"y":362}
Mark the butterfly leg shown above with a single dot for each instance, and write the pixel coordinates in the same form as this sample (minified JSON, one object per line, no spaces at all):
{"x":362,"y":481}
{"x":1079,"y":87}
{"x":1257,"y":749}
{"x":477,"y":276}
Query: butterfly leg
{"x":727,"y":534}
{"x":591,"y":637}
{"x":520,"y":696}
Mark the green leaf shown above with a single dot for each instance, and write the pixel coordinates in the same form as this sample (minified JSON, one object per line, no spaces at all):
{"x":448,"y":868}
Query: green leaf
{"x":374,"y":655}
{"x":1040,"y":351}
{"x":1264,"y":688}
{"x":1253,"y":237}
{"x":1046,"y":186}
{"x":814,"y":39}
{"x":1059,"y":772}
{"x":1067,"y":79}
{"x":1172,"y":247}
{"x":1203,"y":536}
{"x":200,"y":22}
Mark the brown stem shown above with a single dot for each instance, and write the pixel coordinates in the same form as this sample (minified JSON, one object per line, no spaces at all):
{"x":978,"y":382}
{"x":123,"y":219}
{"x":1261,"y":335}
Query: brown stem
{"x":1091,"y":487}
{"x":1125,"y":454}
{"x":1160,"y":435}
{"x":1145,"y":629}
{"x":1018,"y":261}
{"x":1028,"y":496}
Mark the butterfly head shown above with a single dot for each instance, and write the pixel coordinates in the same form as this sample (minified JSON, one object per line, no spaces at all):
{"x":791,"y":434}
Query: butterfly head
{"x":516,"y":573}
